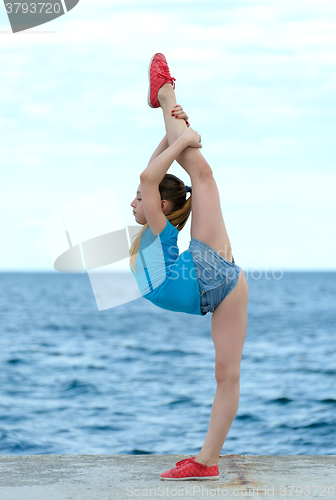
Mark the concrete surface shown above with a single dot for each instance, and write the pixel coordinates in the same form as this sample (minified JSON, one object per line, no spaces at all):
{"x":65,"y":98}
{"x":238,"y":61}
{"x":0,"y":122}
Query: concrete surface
{"x":109,"y":477}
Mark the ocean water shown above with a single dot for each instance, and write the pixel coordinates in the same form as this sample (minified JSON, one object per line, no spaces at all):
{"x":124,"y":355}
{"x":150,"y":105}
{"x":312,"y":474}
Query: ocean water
{"x":138,"y":379}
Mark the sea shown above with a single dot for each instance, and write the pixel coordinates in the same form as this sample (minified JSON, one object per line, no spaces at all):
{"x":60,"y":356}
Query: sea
{"x":137,"y":379}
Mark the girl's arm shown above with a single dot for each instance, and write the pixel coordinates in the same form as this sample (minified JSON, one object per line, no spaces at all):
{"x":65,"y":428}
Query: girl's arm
{"x":156,"y":169}
{"x":180,"y":114}
{"x":161,"y":147}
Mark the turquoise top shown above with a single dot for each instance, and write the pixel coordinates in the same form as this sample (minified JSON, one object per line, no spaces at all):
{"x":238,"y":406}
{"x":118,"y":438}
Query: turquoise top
{"x":164,"y":277}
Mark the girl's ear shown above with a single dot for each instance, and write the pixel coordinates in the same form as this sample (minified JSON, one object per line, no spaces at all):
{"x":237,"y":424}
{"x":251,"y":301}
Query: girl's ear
{"x":164,"y":205}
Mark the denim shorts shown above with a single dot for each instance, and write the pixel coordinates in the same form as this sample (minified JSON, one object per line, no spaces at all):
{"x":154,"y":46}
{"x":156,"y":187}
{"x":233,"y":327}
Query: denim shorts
{"x":216,"y":276}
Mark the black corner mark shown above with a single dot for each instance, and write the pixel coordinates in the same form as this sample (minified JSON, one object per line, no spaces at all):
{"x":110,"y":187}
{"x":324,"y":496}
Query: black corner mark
{"x":28,"y":14}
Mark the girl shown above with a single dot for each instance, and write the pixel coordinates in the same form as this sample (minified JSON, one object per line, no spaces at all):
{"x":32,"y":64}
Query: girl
{"x":204,"y":278}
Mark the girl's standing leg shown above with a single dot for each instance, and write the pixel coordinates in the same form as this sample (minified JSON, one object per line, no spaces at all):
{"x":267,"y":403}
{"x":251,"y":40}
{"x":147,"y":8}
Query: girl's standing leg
{"x":228,"y":331}
{"x":207,"y":223}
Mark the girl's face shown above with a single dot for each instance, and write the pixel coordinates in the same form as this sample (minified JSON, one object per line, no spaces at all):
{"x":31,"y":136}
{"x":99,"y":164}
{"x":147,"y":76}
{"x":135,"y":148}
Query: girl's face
{"x":137,"y":208}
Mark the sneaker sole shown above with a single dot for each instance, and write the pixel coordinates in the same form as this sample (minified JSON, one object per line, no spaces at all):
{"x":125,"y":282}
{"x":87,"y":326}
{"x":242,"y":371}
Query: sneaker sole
{"x":188,"y":478}
{"x":148,"y":96}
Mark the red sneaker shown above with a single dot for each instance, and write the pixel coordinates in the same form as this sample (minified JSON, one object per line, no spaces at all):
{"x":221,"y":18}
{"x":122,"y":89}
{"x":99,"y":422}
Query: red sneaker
{"x":158,"y":74}
{"x":190,"y":469}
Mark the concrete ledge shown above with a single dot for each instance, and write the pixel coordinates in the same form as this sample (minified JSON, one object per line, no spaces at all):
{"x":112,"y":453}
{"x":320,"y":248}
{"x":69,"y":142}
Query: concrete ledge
{"x":117,"y":477}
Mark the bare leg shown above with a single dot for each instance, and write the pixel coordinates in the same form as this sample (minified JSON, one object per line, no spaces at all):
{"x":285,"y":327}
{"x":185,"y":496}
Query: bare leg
{"x":228,"y":331}
{"x":229,"y":320}
{"x":207,"y":223}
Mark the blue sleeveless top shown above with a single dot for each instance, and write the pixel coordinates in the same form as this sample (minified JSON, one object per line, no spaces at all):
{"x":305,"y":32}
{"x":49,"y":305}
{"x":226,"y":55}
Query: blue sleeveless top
{"x":164,"y":277}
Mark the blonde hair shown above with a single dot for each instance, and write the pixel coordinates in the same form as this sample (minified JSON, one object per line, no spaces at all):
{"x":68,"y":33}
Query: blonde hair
{"x":171,"y":189}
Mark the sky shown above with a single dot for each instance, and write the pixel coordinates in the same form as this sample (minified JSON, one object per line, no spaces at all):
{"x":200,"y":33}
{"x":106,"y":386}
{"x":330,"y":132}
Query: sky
{"x":257,"y":79}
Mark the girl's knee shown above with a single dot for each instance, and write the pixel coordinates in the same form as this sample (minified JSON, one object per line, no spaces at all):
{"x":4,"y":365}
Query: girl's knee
{"x":198,"y":165}
{"x":226,"y":374}
{"x":204,"y":168}
{"x":206,"y":172}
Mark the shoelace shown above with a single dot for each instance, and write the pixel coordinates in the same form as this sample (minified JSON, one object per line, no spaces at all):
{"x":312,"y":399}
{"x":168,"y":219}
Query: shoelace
{"x":165,"y":74}
{"x":185,"y":461}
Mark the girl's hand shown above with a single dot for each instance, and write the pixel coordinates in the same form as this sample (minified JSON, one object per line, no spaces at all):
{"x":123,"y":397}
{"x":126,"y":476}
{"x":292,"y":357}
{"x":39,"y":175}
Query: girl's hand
{"x":179,"y":113}
{"x":192,"y":137}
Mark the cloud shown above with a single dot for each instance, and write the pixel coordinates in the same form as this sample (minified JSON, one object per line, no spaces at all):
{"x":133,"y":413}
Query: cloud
{"x":36,"y":110}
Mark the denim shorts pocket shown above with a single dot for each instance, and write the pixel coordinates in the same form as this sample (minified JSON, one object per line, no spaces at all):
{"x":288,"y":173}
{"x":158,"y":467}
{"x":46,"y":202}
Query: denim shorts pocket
{"x":211,"y":298}
{"x":213,"y":269}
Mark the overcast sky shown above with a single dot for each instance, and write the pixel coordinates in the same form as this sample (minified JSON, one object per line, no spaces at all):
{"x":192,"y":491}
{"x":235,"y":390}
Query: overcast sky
{"x":257,"y":79}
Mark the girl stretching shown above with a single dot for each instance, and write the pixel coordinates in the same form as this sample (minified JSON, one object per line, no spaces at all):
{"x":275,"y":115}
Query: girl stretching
{"x":204,"y":278}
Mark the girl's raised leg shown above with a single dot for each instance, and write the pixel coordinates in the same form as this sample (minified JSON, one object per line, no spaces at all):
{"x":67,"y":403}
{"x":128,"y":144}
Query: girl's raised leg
{"x":207,"y":223}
